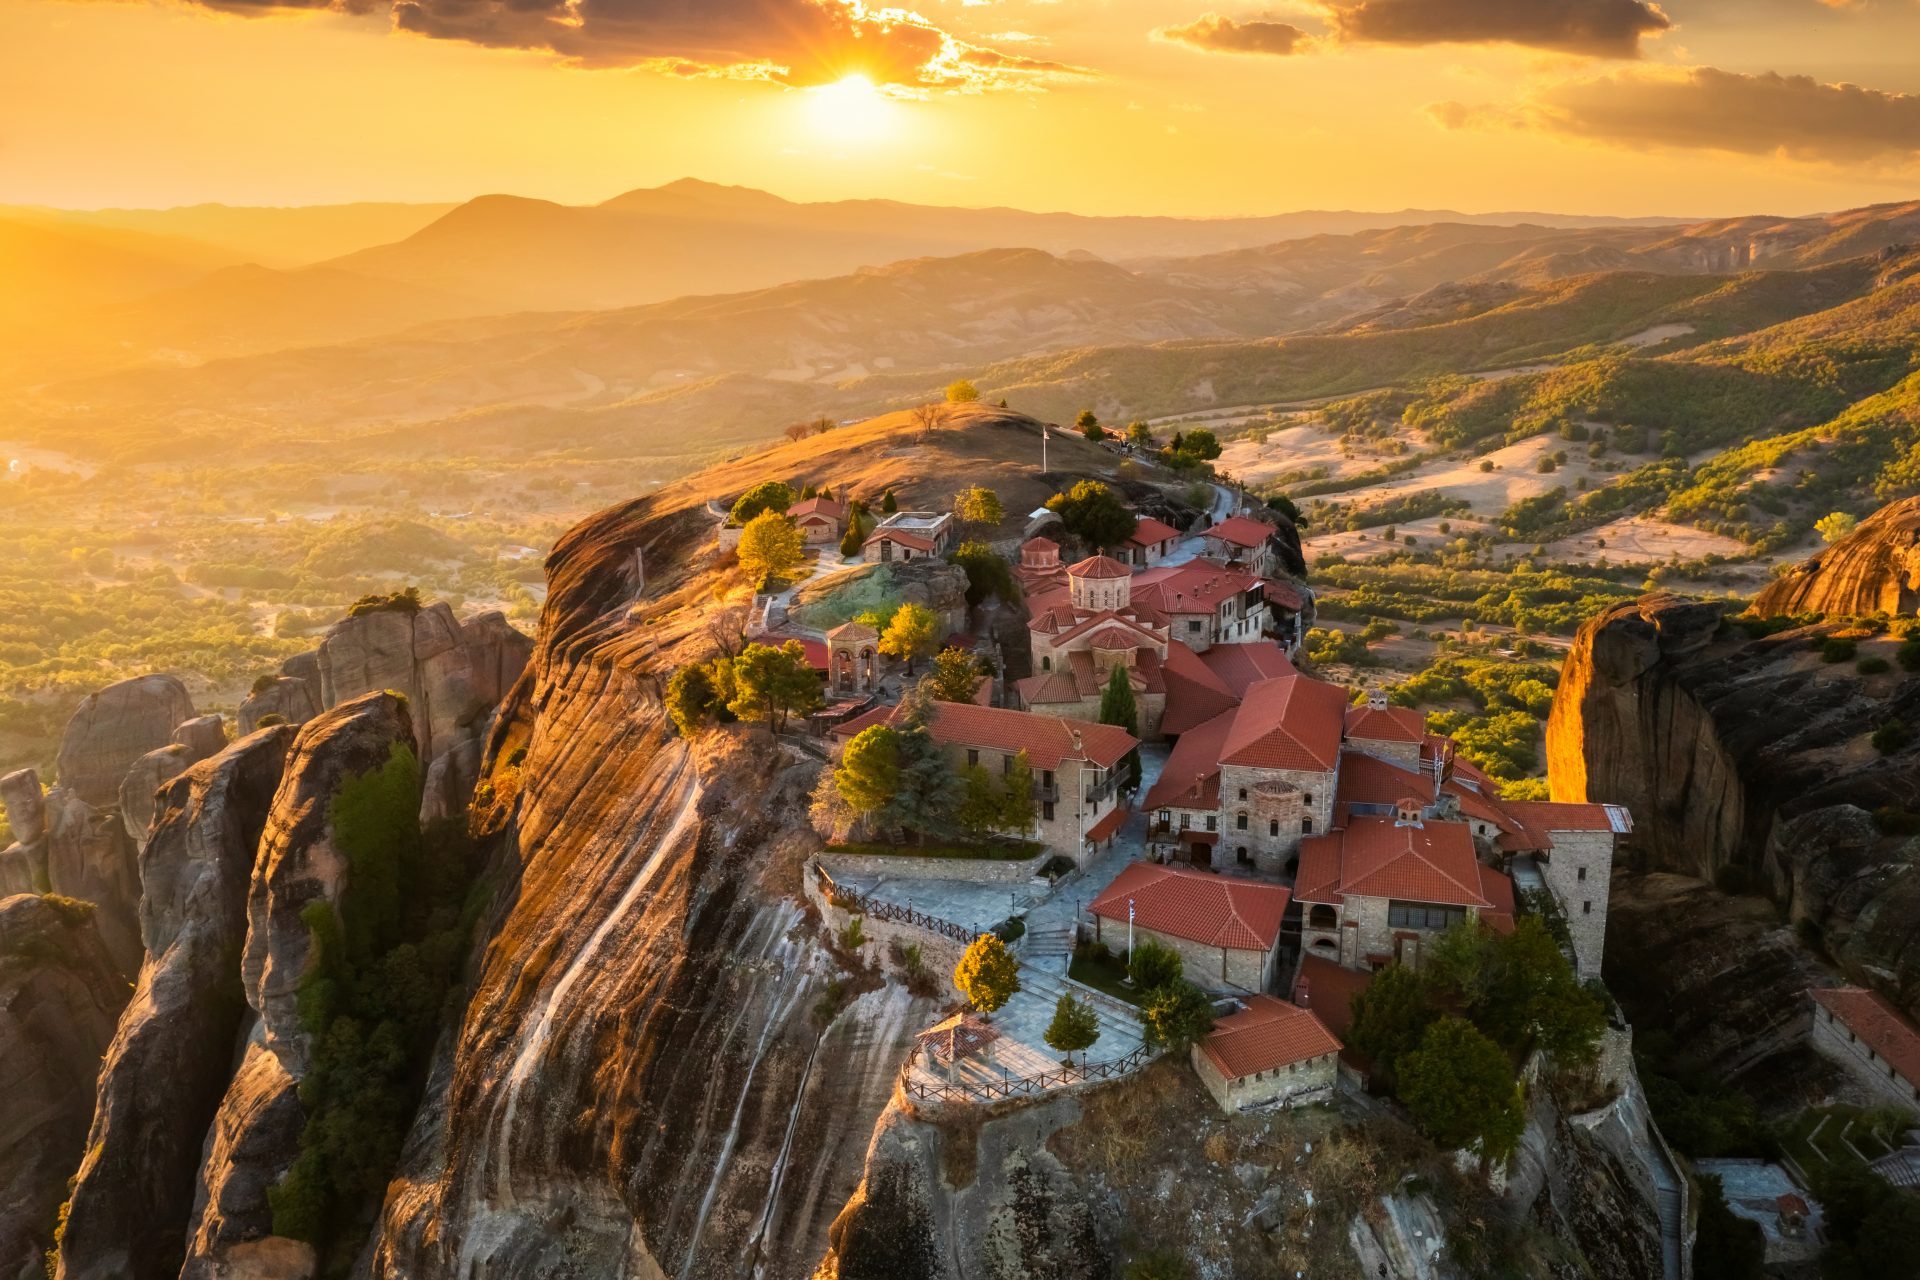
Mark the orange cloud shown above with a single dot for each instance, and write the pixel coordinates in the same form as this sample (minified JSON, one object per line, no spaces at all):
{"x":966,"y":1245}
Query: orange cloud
{"x":1216,"y":34}
{"x":1589,"y":28}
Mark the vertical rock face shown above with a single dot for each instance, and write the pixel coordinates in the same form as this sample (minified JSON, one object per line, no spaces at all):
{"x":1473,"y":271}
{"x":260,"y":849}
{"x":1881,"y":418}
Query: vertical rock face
{"x":91,"y":857}
{"x":452,"y":675}
{"x":639,"y":1084}
{"x":172,"y":1057}
{"x":1755,"y":755}
{"x":60,"y":992}
{"x":115,"y":727}
{"x":255,"y":1133}
{"x":293,"y":700}
{"x":1874,"y":569}
{"x":23,"y":865}
{"x":149,"y":773}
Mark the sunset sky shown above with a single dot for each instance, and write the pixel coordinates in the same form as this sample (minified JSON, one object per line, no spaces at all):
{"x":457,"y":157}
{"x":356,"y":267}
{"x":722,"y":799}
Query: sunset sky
{"x":1696,"y":107}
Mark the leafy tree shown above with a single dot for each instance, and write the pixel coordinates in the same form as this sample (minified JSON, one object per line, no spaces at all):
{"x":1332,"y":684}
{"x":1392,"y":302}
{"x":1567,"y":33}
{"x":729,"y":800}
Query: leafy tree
{"x":690,"y":699}
{"x":1200,"y":443}
{"x":771,"y":546}
{"x":1140,"y":435}
{"x":1870,"y":1223}
{"x":1835,"y":526}
{"x":1176,"y":1016}
{"x":931,"y":794}
{"x":1094,"y":514}
{"x":1291,"y":510}
{"x":1074,"y":1027}
{"x":977,"y":505}
{"x":1089,"y":426}
{"x":1728,"y":1247}
{"x":1461,"y":1089}
{"x":768,"y":495}
{"x":868,"y":776}
{"x":987,"y":974}
{"x":987,"y":573}
{"x":1153,"y":965}
{"x":771,"y":684}
{"x":1017,"y":808}
{"x":955,"y":677}
{"x":912,"y":634}
{"x":982,"y":806}
{"x":962,"y":392}
{"x":1390,"y":1017}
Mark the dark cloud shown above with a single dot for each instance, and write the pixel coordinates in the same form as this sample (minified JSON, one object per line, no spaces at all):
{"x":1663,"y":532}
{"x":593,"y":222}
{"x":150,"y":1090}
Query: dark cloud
{"x":1597,"y":28}
{"x":797,"y":42}
{"x":1216,"y":34}
{"x":1707,"y":109}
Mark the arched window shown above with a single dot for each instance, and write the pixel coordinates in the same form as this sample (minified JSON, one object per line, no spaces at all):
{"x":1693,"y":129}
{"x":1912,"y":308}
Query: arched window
{"x":1273,"y":826}
{"x":1046,"y":664}
{"x":1322,"y":917}
{"x":1306,"y":826}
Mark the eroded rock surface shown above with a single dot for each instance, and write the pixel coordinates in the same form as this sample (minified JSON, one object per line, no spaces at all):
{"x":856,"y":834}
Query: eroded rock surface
{"x":292,"y":699}
{"x":172,"y":1057}
{"x":115,"y":727}
{"x":60,"y":994}
{"x":1874,"y":569}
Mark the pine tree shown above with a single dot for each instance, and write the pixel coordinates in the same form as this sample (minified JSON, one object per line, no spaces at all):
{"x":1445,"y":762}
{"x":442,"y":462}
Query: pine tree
{"x":1461,"y":1089}
{"x":888,"y":503}
{"x":868,"y":776}
{"x":1118,"y":707}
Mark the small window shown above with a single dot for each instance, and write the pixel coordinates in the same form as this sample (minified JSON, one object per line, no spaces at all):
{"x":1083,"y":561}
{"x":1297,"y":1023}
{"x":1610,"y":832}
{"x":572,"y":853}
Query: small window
{"x":1243,"y":793}
{"x":973,"y":756}
{"x":1046,"y":664}
{"x":1240,"y":822}
{"x":1580,"y":874}
{"x":1046,"y":811}
{"x":1273,"y":827}
{"x":1306,"y":826}
{"x":1308,"y":798}
{"x":1586,"y":908}
{"x":1213,"y":823}
{"x":1195,"y":625}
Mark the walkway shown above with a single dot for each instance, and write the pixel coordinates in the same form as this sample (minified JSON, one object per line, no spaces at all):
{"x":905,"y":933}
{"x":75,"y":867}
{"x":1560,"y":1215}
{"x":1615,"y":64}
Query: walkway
{"x":1194,"y":545}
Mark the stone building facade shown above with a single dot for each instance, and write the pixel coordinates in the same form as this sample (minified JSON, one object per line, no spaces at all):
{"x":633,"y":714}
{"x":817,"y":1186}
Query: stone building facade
{"x":1871,"y":1041}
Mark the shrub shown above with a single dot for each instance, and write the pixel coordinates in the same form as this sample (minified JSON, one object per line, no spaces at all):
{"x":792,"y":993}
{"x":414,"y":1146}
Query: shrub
{"x":1891,"y":736}
{"x":1874,"y":666}
{"x":1834,"y":649}
{"x":1153,"y":965}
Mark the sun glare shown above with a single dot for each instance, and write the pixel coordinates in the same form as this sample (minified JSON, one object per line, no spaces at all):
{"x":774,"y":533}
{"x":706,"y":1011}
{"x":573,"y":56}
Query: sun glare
{"x":851,"y":109}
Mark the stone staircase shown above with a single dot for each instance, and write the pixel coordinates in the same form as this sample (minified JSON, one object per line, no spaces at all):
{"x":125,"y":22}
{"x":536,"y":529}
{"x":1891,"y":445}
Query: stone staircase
{"x":1041,"y":991}
{"x":1048,"y":948}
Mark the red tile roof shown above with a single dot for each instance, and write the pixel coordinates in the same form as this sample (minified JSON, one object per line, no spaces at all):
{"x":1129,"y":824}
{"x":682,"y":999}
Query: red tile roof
{"x":816,"y":651}
{"x":1329,"y":989}
{"x":831,"y":508}
{"x":1550,"y":816}
{"x":1190,"y":779}
{"x":853,"y":631}
{"x":1241,"y":666}
{"x":1047,"y":740}
{"x":902,"y":537}
{"x":1497,"y":888}
{"x":1195,"y":692}
{"x":1386,"y":724}
{"x":1366,"y":779}
{"x":958,"y":1037}
{"x":865,"y":720}
{"x":1268,"y":1033}
{"x":1040,"y":546}
{"x":1242,"y":915}
{"x":1381,"y":858}
{"x":1099,"y":567}
{"x":1291,"y":722}
{"x":1241,"y":531}
{"x":1148,"y":532}
{"x":1195,"y":587}
{"x":1285,"y":596}
{"x":1049,"y":688}
{"x":1110,"y":825}
{"x":1881,"y":1026}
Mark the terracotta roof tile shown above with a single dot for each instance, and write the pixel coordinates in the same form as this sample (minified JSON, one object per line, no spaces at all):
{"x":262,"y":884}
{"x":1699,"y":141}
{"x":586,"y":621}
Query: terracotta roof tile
{"x":1882,"y":1027}
{"x":1329,"y":990}
{"x":1195,"y":692}
{"x":1190,"y":779}
{"x":853,"y":631}
{"x":1099,"y":567}
{"x":1386,"y":724}
{"x":1148,"y":532}
{"x":1240,"y":666}
{"x":832,"y":508}
{"x":1241,"y":531}
{"x":1380,"y":858}
{"x":1110,"y":825}
{"x":1550,"y":816}
{"x":865,"y":720}
{"x":1216,"y":911}
{"x":1047,"y":740}
{"x":1195,"y":587}
{"x":902,"y":537}
{"x":1048,"y":688}
{"x":1268,"y":1033}
{"x":1291,"y":722}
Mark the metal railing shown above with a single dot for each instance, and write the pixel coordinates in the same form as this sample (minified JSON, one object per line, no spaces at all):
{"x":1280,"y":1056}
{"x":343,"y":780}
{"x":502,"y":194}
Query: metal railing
{"x":1018,"y":1086}
{"x":863,"y":904}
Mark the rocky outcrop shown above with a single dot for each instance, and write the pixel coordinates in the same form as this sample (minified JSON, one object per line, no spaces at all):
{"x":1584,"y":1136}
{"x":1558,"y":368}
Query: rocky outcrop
{"x":293,"y":700}
{"x":115,"y":727}
{"x":1755,"y":755}
{"x":453,"y":675}
{"x":255,"y":1133}
{"x":640,"y":1082}
{"x":23,"y":864}
{"x":1874,"y":569}
{"x":149,"y":773}
{"x":90,"y":856}
{"x":172,"y":1057}
{"x":60,"y":992}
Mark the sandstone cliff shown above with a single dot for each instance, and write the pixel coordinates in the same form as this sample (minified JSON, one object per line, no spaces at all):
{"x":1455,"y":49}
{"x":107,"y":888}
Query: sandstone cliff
{"x":1874,"y":569}
{"x":1753,"y":754}
{"x":171,"y":1058}
{"x":60,"y":992}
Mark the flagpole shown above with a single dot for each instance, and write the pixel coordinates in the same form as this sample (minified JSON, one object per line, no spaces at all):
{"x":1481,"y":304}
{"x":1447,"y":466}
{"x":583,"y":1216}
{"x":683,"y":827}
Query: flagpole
{"x":1043,"y":448}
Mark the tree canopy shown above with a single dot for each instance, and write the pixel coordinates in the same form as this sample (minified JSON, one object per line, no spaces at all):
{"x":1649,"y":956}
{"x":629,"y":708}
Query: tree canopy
{"x":768,"y":495}
{"x":690,"y":699}
{"x":962,"y":392}
{"x":987,"y":974}
{"x":771,"y":684}
{"x":912,"y":634}
{"x":1176,"y":1016}
{"x":987,"y":573}
{"x":1460,"y":1087}
{"x":771,"y":546}
{"x":977,"y":505}
{"x":868,"y":776}
{"x":1094,"y":514}
{"x":955,"y":676}
{"x":1074,"y":1027}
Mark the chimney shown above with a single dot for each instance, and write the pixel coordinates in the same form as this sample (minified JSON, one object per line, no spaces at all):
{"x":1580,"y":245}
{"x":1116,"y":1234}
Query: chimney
{"x":1377,"y":700}
{"x":1077,"y":748}
{"x":1300,"y":993}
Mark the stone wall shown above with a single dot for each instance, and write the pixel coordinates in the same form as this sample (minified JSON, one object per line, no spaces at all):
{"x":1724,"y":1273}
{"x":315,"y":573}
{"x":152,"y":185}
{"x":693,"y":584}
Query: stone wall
{"x":1296,"y":1083}
{"x":1863,"y":1066}
{"x":940,"y":955}
{"x":1317,"y":790}
{"x":908,"y":867}
{"x":1579,"y":871}
{"x":1210,"y":968}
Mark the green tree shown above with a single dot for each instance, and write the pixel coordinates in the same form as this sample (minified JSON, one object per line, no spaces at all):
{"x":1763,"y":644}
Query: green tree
{"x":1117,"y":703}
{"x":955,"y":676}
{"x":931,"y":793}
{"x":1094,"y":514}
{"x":1152,"y":965}
{"x":982,"y":806}
{"x":888,"y":503}
{"x":1074,"y":1028}
{"x":987,"y":974}
{"x":1089,"y":426}
{"x":988,"y":575}
{"x":1176,"y":1016}
{"x":962,"y":392}
{"x":853,"y":539}
{"x":690,"y":699}
{"x":771,"y":546}
{"x":1140,"y":435}
{"x":771,"y":684}
{"x":1870,"y":1223}
{"x":1461,"y":1089}
{"x":978,"y":505}
{"x":913,"y":633}
{"x":1390,"y":1017}
{"x":768,"y":495}
{"x":1727,"y":1246}
{"x":1017,"y":808}
{"x":1200,"y":443}
{"x":868,"y":775}
{"x":1835,"y":526}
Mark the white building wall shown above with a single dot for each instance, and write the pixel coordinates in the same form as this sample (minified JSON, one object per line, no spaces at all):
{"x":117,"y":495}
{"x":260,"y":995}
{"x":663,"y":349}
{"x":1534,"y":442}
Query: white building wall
{"x":1863,"y":1066}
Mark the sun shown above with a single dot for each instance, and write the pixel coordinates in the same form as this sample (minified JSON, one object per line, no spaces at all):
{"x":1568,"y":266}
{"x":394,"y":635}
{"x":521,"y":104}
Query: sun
{"x":850,"y":110}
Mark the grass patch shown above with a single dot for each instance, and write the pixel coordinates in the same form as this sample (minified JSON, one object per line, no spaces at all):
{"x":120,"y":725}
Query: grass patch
{"x":1018,"y":851}
{"x":1106,"y":975}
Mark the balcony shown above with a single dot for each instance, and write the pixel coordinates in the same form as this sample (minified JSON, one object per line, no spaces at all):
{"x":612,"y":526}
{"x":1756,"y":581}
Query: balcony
{"x":1101,"y":791}
{"x":1045,"y":793}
